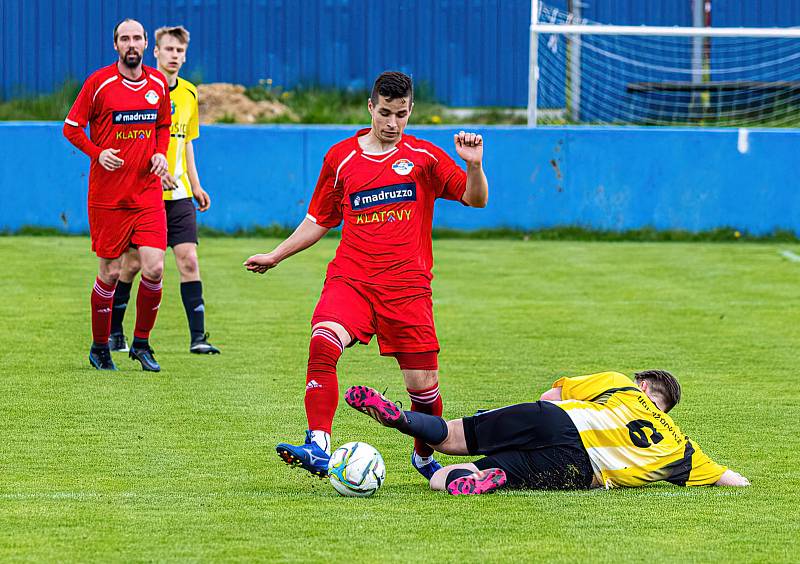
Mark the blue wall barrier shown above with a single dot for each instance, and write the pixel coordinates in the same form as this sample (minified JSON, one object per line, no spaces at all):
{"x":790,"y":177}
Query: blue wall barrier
{"x":472,"y":52}
{"x":599,"y":178}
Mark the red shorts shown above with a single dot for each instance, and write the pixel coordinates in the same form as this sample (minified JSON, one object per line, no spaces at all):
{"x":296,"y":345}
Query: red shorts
{"x":113,"y":231}
{"x":401,"y":318}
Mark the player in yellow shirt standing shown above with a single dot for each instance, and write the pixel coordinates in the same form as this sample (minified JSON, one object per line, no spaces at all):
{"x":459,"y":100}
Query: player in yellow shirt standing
{"x":180,"y":185}
{"x":600,"y":430}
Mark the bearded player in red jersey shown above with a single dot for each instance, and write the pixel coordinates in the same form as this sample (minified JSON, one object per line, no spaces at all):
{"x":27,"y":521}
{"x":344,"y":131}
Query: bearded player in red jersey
{"x":382,"y":184}
{"x":127,"y":107}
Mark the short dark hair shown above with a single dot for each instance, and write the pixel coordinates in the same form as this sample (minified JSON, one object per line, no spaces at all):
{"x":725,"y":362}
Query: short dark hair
{"x":392,"y":85}
{"x":663,"y":384}
{"x":116,"y":28}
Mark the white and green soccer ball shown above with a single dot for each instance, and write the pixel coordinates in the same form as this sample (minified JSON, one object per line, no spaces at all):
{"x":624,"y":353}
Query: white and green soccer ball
{"x":356,"y":470}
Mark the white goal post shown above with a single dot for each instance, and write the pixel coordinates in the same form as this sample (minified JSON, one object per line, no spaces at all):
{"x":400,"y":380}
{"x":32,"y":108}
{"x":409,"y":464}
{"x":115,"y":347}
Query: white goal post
{"x":696,"y":69}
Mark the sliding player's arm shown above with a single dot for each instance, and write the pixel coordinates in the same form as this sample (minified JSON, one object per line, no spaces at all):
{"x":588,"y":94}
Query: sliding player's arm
{"x":553,"y":394}
{"x":706,"y":472}
{"x":306,"y":234}
{"x":731,"y":478}
{"x":589,"y":387}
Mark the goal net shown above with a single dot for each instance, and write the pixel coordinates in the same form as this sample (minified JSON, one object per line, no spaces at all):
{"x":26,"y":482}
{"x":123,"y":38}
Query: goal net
{"x":586,"y":73}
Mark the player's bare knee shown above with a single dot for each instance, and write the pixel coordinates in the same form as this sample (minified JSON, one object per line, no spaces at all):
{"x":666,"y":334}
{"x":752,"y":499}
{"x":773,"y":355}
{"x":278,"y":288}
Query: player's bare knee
{"x":109,"y":272}
{"x":189,"y":267}
{"x":110,"y":277}
{"x":130,"y":268}
{"x":153,"y":271}
{"x":338,"y":328}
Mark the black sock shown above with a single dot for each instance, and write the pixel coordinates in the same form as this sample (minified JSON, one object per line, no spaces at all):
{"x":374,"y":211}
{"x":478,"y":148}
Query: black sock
{"x":139,"y":343}
{"x":455,"y":474}
{"x":429,"y":428}
{"x":192,"y":296}
{"x":122,"y":296}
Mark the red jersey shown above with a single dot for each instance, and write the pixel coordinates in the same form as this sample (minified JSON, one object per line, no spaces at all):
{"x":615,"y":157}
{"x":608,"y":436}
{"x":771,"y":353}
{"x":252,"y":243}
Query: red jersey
{"x":132,"y":116}
{"x":386,"y":203}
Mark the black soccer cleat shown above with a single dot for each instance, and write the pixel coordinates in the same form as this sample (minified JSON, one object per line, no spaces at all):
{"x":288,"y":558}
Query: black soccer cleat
{"x":117,"y":342}
{"x":144,"y":354}
{"x":202,"y":346}
{"x":100,"y":358}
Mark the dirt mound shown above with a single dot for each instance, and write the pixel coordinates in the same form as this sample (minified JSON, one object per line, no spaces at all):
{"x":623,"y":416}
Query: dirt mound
{"x":227,"y":102}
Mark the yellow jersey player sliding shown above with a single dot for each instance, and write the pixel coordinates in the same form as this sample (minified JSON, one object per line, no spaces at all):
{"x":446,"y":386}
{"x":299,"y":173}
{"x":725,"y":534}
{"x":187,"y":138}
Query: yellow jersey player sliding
{"x":600,"y":430}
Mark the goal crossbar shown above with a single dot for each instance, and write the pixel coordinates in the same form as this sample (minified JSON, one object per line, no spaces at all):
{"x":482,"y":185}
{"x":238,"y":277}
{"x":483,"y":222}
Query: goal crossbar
{"x":665,"y":31}
{"x":574,"y":30}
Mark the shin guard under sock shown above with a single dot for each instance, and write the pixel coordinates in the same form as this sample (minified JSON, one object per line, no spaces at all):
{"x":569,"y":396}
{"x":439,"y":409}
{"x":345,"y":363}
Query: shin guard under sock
{"x":430,"y":429}
{"x":148,"y":300}
{"x":429,"y":401}
{"x":101,"y":300}
{"x":322,"y":386}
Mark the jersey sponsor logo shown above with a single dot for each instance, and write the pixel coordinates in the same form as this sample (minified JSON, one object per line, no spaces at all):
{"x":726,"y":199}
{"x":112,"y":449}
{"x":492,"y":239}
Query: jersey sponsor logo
{"x":134,"y":134}
{"x":402,"y":167}
{"x":178,"y":129}
{"x":134,"y":116}
{"x":151,"y":97}
{"x":384,"y":195}
{"x":386,"y":216}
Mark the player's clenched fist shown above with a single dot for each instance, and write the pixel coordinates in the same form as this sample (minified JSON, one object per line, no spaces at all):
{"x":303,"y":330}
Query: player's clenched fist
{"x":109,"y":160}
{"x":469,"y":146}
{"x":261,"y":263}
{"x":160,"y":166}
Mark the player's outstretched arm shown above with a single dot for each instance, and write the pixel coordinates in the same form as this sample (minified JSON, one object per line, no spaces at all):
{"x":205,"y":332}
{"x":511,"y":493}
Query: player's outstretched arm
{"x":469,"y":147}
{"x":731,"y":478}
{"x":306,"y":234}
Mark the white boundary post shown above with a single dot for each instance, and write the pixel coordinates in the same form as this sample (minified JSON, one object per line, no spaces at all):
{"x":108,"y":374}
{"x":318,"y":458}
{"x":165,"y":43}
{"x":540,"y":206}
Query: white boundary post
{"x":533,"y":65}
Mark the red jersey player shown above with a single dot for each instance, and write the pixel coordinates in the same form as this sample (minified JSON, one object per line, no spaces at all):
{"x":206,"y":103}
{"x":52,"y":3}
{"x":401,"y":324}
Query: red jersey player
{"x":127,"y":107}
{"x":382,"y":185}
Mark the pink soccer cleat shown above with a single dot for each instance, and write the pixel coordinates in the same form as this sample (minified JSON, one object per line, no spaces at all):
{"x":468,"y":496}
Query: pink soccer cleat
{"x":480,"y":482}
{"x":370,"y":401}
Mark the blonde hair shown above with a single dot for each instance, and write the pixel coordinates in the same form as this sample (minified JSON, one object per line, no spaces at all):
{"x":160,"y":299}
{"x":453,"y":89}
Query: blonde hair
{"x":178,"y":32}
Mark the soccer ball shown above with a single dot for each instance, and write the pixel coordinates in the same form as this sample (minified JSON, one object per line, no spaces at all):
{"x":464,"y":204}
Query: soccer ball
{"x":356,"y":470}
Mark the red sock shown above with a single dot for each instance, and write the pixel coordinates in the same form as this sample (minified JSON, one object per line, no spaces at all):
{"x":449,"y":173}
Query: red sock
{"x":148,"y":300}
{"x":322,"y":386}
{"x":102,"y":300}
{"x":427,"y":401}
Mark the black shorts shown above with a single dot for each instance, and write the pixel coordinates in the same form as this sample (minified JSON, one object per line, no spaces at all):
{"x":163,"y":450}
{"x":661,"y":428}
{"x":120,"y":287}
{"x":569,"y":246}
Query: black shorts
{"x":536,"y":444}
{"x":181,"y":221}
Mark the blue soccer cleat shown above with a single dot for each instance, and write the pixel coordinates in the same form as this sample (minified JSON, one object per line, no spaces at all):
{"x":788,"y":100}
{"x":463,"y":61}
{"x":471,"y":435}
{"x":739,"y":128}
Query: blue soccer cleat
{"x":100,"y":358}
{"x":308,"y":456}
{"x":427,"y":470}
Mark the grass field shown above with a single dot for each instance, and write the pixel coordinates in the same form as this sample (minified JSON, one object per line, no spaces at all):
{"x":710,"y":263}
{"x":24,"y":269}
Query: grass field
{"x":180,"y":465}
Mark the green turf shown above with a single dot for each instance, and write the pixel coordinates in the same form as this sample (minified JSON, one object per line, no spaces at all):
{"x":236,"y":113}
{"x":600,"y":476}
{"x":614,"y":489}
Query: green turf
{"x":180,"y":465}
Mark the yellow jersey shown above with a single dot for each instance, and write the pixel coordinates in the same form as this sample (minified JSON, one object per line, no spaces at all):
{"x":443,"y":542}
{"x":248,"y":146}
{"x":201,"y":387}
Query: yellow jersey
{"x":185,"y":127}
{"x":629,"y":440}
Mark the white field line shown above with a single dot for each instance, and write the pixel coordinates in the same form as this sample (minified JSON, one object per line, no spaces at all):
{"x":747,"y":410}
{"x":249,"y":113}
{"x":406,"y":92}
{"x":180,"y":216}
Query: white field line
{"x":791,"y":256}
